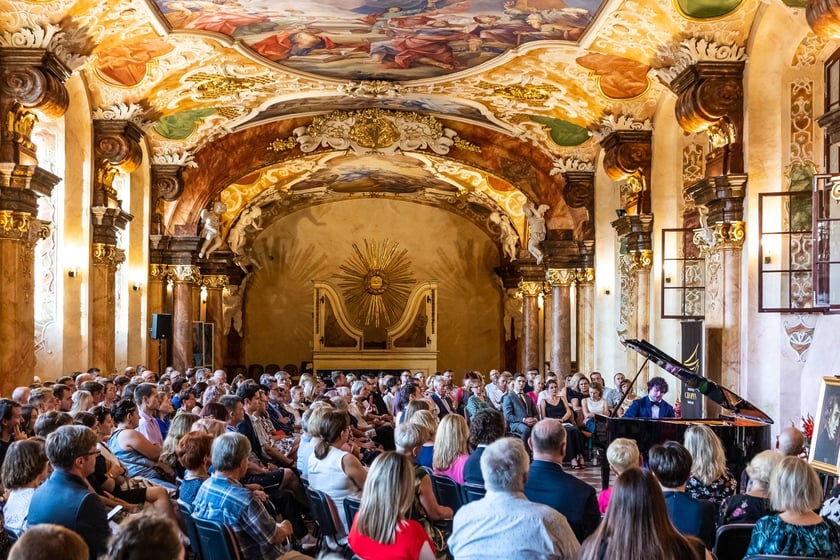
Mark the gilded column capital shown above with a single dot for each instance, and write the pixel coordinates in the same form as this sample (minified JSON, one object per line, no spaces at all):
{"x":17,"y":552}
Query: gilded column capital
{"x":185,"y":273}
{"x":214,"y":281}
{"x":532,"y":289}
{"x":158,"y":272}
{"x":104,"y":254}
{"x":642,"y":259}
{"x":722,"y":235}
{"x":585,"y":276}
{"x":560,"y":276}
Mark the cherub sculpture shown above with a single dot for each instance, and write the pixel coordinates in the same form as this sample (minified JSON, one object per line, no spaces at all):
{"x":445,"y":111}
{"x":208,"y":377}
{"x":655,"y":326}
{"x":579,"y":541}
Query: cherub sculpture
{"x":212,"y":230}
{"x":507,"y":234}
{"x":536,"y":225}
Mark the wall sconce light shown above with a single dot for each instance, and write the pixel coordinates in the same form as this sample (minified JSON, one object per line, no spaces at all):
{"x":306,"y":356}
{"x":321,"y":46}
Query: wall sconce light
{"x":73,"y":271}
{"x":136,"y":286}
{"x":606,"y":291}
{"x":768,"y":259}
{"x":620,"y":213}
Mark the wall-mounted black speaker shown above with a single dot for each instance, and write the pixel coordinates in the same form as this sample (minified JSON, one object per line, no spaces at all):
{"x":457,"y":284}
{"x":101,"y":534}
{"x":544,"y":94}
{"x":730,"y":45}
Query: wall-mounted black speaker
{"x":161,"y":326}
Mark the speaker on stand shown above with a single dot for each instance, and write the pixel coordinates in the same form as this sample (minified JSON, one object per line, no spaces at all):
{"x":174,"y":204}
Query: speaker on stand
{"x":161,"y":330}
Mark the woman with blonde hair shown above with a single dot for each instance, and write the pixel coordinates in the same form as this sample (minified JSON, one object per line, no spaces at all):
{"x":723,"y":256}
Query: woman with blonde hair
{"x":82,"y":401}
{"x":710,"y":479}
{"x":428,"y":420}
{"x":795,"y":491}
{"x":451,"y":447}
{"x":181,"y":426}
{"x":637,"y":526}
{"x":753,"y":504}
{"x":381,"y":529}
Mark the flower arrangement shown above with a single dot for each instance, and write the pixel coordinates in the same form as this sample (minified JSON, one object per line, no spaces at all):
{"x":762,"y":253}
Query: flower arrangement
{"x":807,"y":430}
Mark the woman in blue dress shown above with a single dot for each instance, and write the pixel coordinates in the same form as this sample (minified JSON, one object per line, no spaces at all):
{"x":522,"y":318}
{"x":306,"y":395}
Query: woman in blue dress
{"x":795,"y":491}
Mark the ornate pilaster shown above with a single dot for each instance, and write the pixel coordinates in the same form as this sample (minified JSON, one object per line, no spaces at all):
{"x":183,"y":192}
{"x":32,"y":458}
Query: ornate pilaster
{"x":184,"y":278}
{"x":105,"y":258}
{"x":531,"y":287}
{"x":561,"y":280}
{"x":215,"y":285}
{"x":585,"y":300}
{"x":636,"y":231}
{"x":157,"y":280}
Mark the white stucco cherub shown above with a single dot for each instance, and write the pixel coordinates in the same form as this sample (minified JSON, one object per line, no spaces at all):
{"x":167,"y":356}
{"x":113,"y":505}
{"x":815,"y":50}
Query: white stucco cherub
{"x":536,"y":226}
{"x":507,"y":234}
{"x":212,"y":230}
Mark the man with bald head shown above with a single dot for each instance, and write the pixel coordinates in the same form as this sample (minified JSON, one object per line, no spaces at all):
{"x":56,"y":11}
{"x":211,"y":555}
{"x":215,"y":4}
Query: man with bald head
{"x":791,"y":442}
{"x":549,"y":484}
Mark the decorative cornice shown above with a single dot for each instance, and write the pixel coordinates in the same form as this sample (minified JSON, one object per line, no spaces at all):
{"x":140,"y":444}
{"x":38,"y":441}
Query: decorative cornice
{"x":63,"y":46}
{"x":130,"y":112}
{"x":104,"y":254}
{"x":561,"y":276}
{"x":185,"y":273}
{"x":697,"y":49}
{"x":637,"y":229}
{"x":182,"y":159}
{"x":532,"y":289}
{"x":627,"y":153}
{"x":371,"y":88}
{"x":214,"y":281}
{"x":707,"y":92}
{"x":377,"y":131}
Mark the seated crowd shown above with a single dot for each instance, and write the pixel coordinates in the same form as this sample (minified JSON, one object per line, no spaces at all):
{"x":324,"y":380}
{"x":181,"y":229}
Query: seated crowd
{"x":162,"y":451}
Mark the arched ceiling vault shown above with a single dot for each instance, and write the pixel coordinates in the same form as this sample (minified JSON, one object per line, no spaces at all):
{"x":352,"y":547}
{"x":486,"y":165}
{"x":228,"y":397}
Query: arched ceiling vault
{"x":525,"y":86}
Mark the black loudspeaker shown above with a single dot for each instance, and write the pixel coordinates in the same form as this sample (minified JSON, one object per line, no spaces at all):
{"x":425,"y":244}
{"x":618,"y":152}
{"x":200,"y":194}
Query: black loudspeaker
{"x":161,"y":325}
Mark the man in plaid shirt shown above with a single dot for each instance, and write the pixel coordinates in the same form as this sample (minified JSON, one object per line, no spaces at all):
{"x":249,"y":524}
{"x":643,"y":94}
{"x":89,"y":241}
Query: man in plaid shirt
{"x":224,"y":500}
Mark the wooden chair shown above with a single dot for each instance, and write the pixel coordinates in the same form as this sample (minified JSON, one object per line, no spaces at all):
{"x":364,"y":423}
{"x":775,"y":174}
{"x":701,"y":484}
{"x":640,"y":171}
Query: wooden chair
{"x":447,"y":492}
{"x":351,"y":508}
{"x":217,"y":541}
{"x":733,"y":540}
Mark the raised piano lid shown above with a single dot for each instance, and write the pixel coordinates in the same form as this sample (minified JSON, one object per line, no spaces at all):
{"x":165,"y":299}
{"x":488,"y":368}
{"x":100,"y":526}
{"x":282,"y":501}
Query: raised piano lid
{"x":727,"y":399}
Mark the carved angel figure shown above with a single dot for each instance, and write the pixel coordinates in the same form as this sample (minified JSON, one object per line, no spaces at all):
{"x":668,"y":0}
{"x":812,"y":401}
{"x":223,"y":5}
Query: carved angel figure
{"x":507,"y":234}
{"x":212,"y":230}
{"x":536,"y":226}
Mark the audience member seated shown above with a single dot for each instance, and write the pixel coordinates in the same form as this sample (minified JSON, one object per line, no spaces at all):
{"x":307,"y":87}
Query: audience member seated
{"x":637,"y":525}
{"x":504,"y":524}
{"x":548,"y":484}
{"x":24,"y":469}
{"x":194,"y":454}
{"x":178,"y":428}
{"x":49,"y":422}
{"x":414,"y":407}
{"x":791,"y":442}
{"x":50,"y":542}
{"x":72,"y":453}
{"x":594,"y":404}
{"x":11,"y":417}
{"x":429,"y":421}
{"x":622,"y":454}
{"x":381,"y":529}
{"x":796,"y":492}
{"x":29,"y":415}
{"x":554,"y":405}
{"x":476,"y":400}
{"x":146,"y":537}
{"x":519,"y":409}
{"x":710,"y":479}
{"x":132,"y":449}
{"x":425,"y":509}
{"x":451,"y":446}
{"x":486,"y":427}
{"x":332,"y":469}
{"x":671,"y":464}
{"x":309,"y":422}
{"x":755,"y":502}
{"x":224,"y":500}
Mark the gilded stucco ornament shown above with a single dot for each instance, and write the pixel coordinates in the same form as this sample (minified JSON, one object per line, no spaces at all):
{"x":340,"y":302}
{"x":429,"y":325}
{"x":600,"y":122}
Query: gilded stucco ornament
{"x":531,"y":289}
{"x":184,"y":273}
{"x":159,"y":272}
{"x":214,"y":281}
{"x":376,"y":131}
{"x":371,"y":88}
{"x":560,"y":276}
{"x":585,"y":276}
{"x":105,"y":254}
{"x":698,"y":49}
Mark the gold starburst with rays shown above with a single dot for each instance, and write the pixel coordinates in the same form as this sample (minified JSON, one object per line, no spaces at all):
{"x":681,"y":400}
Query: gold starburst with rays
{"x":376,"y":283}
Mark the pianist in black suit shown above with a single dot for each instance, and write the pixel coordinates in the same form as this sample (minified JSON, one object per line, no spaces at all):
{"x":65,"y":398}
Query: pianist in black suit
{"x":652,"y":406}
{"x":671,"y":465}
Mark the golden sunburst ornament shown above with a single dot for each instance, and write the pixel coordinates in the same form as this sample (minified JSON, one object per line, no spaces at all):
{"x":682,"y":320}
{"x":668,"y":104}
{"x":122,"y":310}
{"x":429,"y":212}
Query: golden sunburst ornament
{"x":376,"y":282}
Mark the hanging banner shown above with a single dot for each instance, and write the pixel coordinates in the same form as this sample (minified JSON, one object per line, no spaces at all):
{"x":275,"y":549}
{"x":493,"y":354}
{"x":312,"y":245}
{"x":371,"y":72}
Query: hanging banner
{"x":692,"y":357}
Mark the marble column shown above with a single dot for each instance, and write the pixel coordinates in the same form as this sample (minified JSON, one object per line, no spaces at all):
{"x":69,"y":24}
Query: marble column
{"x":561,"y":280}
{"x":106,"y":259}
{"x":215,"y":285}
{"x":184,"y":277}
{"x":31,"y":86}
{"x":585,"y":300}
{"x":158,"y":277}
{"x":643,"y":261}
{"x":531,"y":317}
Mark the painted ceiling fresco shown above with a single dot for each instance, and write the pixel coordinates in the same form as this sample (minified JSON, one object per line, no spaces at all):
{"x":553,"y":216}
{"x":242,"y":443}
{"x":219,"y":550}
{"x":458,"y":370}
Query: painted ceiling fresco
{"x":547,"y":75}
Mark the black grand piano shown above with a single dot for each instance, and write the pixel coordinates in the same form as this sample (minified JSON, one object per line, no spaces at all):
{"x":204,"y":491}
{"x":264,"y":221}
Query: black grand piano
{"x":742,"y":427}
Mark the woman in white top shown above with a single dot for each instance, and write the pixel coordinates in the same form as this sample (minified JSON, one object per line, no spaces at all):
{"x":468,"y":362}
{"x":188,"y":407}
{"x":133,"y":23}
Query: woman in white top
{"x":24,"y":469}
{"x":332,"y":470}
{"x":594,"y":404}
